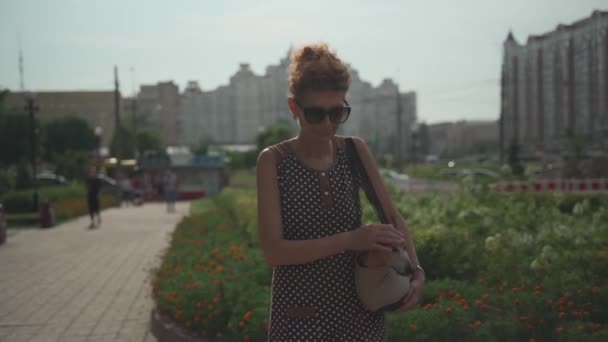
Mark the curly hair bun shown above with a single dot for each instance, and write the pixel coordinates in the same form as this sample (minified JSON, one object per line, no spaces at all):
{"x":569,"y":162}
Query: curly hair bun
{"x":315,"y":67}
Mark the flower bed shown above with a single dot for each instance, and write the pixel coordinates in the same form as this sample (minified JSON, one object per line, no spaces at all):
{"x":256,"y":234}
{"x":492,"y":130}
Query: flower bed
{"x":523,"y":267}
{"x":65,"y":209}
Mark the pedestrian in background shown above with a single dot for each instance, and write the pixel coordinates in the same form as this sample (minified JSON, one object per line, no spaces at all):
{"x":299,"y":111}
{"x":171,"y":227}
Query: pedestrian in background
{"x":93,"y":184}
{"x":170,"y":190}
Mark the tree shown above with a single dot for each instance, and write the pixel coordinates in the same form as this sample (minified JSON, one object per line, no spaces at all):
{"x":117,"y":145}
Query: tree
{"x":148,"y":140}
{"x":15,"y":144}
{"x":274,"y":134}
{"x":202,"y":147}
{"x":424,"y":139}
{"x":517,"y":168}
{"x":72,"y":164}
{"x":3,"y":95}
{"x":67,"y":134}
{"x":576,"y":144}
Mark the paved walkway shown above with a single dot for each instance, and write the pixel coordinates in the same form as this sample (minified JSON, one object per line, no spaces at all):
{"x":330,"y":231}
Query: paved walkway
{"x":70,"y":283}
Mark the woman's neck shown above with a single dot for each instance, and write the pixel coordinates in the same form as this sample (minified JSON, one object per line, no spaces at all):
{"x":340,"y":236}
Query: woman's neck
{"x":314,"y":148}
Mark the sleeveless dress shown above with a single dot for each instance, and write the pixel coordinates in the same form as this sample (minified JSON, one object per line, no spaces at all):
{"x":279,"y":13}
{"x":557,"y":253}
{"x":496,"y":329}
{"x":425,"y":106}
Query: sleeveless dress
{"x":317,"y":301}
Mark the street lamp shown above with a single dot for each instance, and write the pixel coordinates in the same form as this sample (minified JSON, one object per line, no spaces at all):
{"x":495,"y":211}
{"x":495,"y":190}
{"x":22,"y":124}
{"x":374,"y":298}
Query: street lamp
{"x":32,"y":108}
{"x":414,"y":128}
{"x":98,"y":137}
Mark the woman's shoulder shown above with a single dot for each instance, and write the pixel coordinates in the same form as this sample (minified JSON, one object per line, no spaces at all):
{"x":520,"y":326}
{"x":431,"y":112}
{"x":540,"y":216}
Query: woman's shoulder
{"x":356,"y":139}
{"x":274,"y":154}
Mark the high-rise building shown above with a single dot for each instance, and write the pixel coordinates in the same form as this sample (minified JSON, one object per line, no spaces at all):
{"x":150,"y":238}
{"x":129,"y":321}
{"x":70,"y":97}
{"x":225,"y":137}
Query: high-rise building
{"x":556,"y":83}
{"x":157,"y":106}
{"x":462,"y":138}
{"x":96,"y":107}
{"x":236,"y":112}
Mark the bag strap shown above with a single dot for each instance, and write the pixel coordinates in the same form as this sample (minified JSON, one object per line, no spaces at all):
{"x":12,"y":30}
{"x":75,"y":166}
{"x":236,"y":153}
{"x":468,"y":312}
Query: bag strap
{"x":366,"y":184}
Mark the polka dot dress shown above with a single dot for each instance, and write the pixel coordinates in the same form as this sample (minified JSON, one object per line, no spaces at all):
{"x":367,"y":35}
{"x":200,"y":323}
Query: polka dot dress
{"x":317,"y":301}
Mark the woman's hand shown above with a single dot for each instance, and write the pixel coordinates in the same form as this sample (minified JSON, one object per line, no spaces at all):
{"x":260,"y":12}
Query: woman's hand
{"x":416,"y":288}
{"x":375,"y":237}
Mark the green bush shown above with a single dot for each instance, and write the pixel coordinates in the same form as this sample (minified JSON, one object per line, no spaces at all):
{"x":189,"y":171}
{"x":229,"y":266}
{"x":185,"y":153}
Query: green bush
{"x":211,"y":281}
{"x":499,"y":268}
{"x":21,"y":201}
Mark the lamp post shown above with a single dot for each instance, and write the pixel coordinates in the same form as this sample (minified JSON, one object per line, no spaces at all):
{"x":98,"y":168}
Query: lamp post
{"x":98,"y":137}
{"x":32,"y":108}
{"x":414,"y":131}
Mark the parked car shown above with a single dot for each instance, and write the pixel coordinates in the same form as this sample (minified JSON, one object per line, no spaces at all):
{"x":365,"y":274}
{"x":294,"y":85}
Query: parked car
{"x":2,"y":225}
{"x":477,"y":174}
{"x":50,"y":178}
{"x":109,"y":184}
{"x":391,"y":174}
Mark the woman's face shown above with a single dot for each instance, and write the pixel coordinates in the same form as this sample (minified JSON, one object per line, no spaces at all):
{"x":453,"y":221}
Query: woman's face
{"x":326,"y":100}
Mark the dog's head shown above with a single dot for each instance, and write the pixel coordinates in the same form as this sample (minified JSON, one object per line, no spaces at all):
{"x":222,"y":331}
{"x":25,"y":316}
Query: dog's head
{"x":397,"y":259}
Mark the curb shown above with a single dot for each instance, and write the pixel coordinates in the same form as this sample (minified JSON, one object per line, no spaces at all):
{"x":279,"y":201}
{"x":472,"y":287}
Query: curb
{"x":168,"y":331}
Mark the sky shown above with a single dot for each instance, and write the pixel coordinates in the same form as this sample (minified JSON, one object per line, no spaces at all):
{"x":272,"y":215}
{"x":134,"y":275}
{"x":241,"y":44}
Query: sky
{"x":448,"y":52}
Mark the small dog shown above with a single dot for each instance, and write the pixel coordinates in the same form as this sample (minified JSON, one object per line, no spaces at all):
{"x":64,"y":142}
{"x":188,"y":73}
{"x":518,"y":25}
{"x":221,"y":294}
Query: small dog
{"x":383,"y":278}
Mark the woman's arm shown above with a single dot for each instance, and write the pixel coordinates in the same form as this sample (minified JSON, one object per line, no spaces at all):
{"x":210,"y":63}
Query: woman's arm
{"x":393,"y":214}
{"x":276,"y":250}
{"x":418,"y":278}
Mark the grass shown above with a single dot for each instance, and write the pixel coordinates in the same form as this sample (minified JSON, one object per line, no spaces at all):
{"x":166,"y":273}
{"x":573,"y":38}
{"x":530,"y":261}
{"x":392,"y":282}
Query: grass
{"x":242,"y":178}
{"x":201,"y":206}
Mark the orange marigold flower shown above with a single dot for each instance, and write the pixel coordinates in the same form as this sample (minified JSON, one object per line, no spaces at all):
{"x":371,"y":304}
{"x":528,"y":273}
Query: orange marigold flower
{"x":413,"y":326}
{"x":247,"y":316}
{"x":559,"y":329}
{"x":516,"y":301}
{"x":482,"y":280}
{"x":581,"y":328}
{"x":241,"y":324}
{"x":448,"y":310}
{"x":478,"y":303}
{"x":532,"y":339}
{"x":486,"y":296}
{"x":595,"y":289}
{"x":562,"y":315}
{"x":246,"y":338}
{"x":515,"y":290}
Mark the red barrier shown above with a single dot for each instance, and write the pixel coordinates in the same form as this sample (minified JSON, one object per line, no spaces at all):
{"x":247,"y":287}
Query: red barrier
{"x":562,"y":185}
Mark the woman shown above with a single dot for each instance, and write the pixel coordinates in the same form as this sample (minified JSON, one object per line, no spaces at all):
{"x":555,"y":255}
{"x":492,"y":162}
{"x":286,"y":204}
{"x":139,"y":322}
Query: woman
{"x":309,"y":215}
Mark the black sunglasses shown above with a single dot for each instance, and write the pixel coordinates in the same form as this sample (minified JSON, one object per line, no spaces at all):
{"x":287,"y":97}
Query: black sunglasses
{"x":315,"y":115}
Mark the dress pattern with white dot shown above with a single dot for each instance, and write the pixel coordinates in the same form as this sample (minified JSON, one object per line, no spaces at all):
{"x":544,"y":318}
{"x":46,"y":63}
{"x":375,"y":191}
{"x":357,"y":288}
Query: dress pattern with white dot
{"x":318,"y":301}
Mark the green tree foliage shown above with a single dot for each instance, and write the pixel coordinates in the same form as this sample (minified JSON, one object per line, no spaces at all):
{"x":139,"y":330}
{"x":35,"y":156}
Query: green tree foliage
{"x":15,"y":144}
{"x":67,"y":134}
{"x":148,"y":140}
{"x":424,"y":139}
{"x":72,"y":164}
{"x":274,"y":134}
{"x":202,"y":147}
{"x":517,"y":168}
